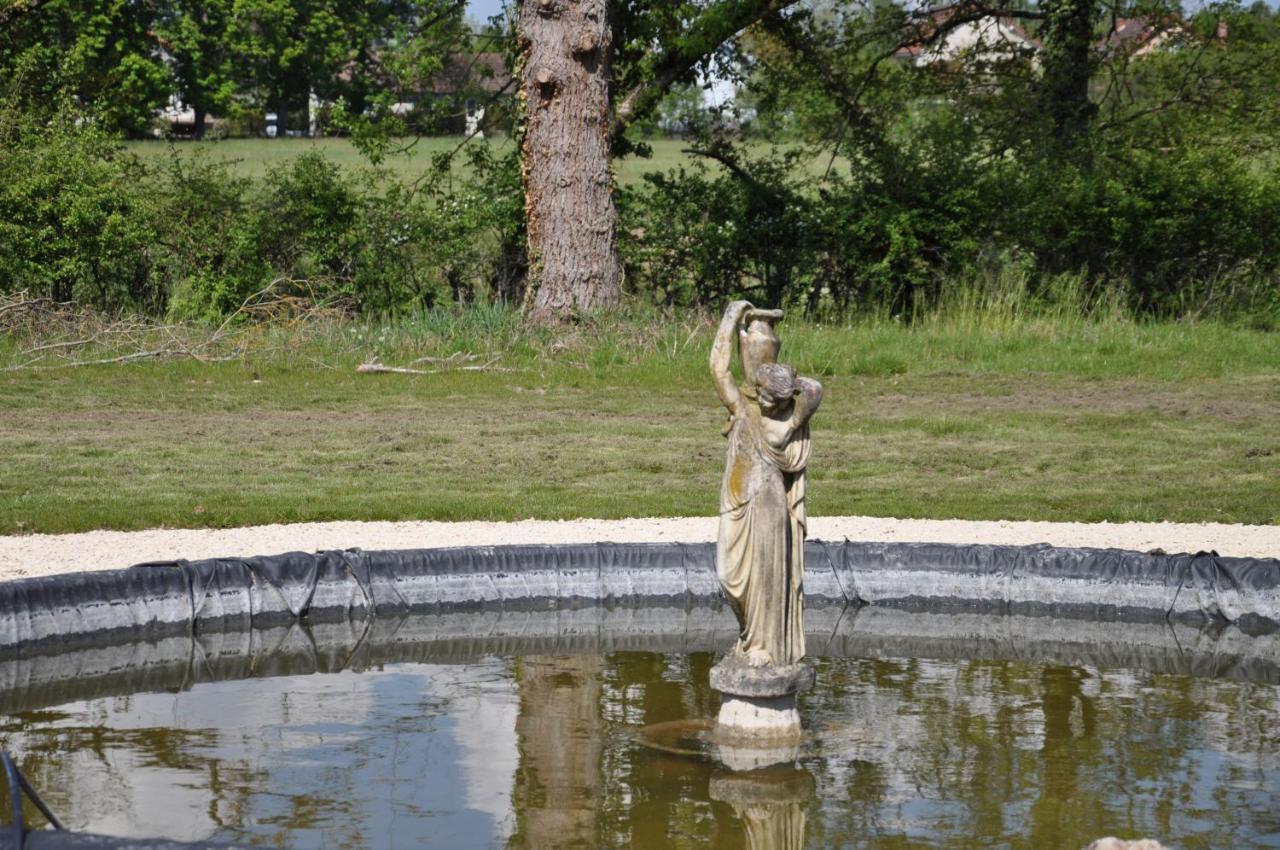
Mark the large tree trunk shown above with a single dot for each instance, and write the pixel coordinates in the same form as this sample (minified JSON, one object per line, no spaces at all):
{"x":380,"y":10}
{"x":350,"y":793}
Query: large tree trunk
{"x":574,"y":263}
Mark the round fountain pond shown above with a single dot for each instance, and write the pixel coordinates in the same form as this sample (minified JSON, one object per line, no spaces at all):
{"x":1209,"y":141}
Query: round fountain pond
{"x":509,"y":698}
{"x":299,"y":737}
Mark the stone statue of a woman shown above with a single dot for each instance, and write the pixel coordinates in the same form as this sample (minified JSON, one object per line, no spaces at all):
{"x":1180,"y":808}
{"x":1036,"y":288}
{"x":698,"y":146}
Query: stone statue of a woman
{"x":760,"y":548}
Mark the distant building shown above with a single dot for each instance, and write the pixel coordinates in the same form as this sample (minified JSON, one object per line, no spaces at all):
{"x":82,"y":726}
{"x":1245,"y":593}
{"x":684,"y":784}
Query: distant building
{"x":988,"y":39}
{"x":178,"y":119}
{"x":1138,"y":37}
{"x":471,"y":83}
{"x":468,"y":83}
{"x":456,"y":98}
{"x":472,"y":72}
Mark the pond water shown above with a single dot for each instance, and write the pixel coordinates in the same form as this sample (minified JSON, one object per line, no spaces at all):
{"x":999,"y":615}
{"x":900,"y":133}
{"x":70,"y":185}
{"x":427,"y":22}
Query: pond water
{"x":538,"y":750}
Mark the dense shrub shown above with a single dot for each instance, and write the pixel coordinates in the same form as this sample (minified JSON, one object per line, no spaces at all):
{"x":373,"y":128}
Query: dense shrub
{"x":82,"y":220}
{"x":1182,"y":232}
{"x":695,"y":238}
{"x":766,"y":228}
{"x":75,"y":223}
{"x":1176,"y":233}
{"x":1179,"y":228}
{"x":363,"y":241}
{"x":207,"y":242}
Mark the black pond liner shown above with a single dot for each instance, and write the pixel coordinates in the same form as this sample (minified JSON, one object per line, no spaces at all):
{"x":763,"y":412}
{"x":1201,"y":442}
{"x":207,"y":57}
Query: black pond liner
{"x":175,"y":597}
{"x":166,"y":626}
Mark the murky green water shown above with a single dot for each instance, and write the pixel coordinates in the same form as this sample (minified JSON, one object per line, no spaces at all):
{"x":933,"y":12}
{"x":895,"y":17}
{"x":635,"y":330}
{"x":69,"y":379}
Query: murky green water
{"x":539,"y":751}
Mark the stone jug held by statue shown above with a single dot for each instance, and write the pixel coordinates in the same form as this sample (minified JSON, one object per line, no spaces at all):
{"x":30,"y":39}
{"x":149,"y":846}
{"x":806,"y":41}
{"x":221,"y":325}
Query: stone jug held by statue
{"x":757,"y":342}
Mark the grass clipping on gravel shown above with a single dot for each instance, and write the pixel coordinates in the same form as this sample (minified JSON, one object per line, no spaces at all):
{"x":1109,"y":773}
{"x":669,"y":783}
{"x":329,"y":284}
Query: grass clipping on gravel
{"x":978,"y":412}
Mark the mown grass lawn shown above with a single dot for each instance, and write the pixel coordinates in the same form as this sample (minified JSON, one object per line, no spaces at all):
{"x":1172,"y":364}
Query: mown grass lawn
{"x":1113,"y":421}
{"x":255,"y":157}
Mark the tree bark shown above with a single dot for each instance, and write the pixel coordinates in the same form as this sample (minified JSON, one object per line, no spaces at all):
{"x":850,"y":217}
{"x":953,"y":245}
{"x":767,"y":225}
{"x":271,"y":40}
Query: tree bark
{"x":574,"y":264}
{"x":200,"y":116}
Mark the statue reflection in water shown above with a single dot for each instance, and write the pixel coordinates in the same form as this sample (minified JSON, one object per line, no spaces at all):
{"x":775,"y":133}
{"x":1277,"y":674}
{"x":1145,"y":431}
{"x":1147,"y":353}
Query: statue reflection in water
{"x":771,"y":803}
{"x":570,"y":792}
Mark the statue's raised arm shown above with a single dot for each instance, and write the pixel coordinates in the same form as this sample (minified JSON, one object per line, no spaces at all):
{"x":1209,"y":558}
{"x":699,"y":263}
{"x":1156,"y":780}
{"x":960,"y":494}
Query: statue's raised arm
{"x":807,"y":399}
{"x":722,"y":353}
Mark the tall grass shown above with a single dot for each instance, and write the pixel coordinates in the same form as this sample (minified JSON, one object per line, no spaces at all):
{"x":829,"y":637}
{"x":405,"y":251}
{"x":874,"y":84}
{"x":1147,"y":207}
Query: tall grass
{"x":993,"y":326}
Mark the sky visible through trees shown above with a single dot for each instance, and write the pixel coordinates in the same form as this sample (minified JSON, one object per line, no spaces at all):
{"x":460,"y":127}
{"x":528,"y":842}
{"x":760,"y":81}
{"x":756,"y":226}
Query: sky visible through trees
{"x":483,"y":10}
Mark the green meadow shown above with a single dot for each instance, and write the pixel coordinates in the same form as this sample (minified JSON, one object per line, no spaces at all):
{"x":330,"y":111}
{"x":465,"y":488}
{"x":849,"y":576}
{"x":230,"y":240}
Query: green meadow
{"x":976,"y":413}
{"x":408,"y":160}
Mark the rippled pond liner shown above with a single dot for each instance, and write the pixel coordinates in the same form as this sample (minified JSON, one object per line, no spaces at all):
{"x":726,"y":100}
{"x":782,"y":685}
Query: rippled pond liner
{"x":235,"y":593}
{"x":169,"y":626}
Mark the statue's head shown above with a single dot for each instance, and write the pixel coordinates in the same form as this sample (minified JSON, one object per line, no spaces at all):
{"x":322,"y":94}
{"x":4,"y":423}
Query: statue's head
{"x":775,"y":386}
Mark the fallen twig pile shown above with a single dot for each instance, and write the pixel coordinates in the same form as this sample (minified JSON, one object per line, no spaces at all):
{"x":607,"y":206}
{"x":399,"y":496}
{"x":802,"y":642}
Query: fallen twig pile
{"x":67,"y":335}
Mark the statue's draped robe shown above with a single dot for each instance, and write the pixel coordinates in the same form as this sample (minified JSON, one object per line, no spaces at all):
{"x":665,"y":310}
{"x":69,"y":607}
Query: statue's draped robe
{"x":760,"y":548}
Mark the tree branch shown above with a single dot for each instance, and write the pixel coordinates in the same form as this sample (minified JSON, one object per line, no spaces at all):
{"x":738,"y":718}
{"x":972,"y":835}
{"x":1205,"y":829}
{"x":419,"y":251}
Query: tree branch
{"x":714,"y":26}
{"x":735,"y":169}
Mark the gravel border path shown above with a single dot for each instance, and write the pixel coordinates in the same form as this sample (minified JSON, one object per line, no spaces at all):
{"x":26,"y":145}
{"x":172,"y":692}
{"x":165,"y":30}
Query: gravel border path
{"x":48,"y":554}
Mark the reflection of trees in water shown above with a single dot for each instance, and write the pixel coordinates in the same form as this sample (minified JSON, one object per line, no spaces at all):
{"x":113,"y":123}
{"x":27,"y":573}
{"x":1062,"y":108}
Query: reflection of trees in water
{"x":582,"y":783}
{"x":655,"y":799}
{"x":1171,"y":777}
{"x":1071,"y":747}
{"x":909,"y":753}
{"x":1027,"y":756}
{"x":59,"y":758}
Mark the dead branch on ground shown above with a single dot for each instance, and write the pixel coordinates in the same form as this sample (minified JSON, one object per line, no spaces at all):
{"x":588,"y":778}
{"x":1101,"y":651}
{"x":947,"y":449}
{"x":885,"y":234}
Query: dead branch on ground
{"x":376,"y":368}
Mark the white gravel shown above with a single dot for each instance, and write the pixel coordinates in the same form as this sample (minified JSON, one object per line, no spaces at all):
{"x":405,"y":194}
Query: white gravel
{"x":47,"y":554}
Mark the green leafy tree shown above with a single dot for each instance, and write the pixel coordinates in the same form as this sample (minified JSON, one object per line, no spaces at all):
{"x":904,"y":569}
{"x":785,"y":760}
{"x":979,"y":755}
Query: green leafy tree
{"x":195,"y":35}
{"x":284,"y":47}
{"x":365,"y":54}
{"x":100,"y":52}
{"x":1137,"y":161}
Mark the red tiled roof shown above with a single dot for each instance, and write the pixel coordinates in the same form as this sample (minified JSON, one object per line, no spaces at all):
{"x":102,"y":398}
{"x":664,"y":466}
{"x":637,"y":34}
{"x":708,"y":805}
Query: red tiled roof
{"x":476,"y":71}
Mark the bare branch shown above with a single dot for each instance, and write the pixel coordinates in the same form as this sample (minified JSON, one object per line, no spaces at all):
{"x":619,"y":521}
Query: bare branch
{"x":379,"y":369}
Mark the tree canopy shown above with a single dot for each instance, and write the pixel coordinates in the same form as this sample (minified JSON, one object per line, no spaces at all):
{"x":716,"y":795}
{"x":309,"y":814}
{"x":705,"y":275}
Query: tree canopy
{"x":877,"y":154}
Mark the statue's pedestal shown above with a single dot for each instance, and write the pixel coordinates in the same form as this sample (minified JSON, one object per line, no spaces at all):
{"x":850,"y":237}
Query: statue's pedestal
{"x":756,"y":717}
{"x":758,"y":723}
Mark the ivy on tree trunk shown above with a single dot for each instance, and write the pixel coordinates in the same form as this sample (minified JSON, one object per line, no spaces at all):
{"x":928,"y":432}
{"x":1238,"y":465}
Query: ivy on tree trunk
{"x":1068,"y":66}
